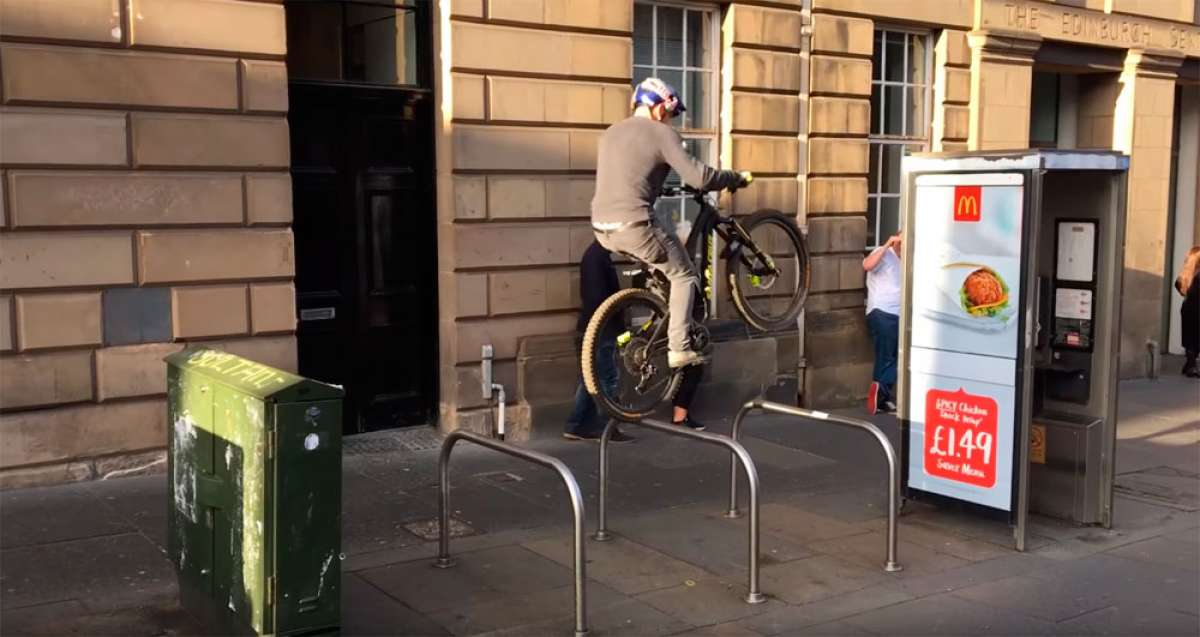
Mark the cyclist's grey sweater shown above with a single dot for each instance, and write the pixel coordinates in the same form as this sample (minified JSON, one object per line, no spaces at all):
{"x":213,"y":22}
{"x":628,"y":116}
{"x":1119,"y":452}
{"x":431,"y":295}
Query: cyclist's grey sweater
{"x":634,"y":158}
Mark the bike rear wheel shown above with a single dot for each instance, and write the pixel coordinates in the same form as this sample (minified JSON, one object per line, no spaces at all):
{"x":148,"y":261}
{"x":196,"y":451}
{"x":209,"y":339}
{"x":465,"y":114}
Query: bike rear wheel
{"x":624,"y":356}
{"x":769,"y":291}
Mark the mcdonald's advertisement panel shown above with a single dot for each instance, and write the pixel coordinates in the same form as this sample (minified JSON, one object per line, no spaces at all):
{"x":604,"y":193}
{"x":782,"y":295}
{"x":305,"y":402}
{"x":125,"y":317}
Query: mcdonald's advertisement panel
{"x":965,"y":335}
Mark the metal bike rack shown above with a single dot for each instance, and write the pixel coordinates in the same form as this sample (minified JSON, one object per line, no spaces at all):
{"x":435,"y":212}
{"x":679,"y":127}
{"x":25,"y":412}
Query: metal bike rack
{"x":443,"y":558}
{"x":737,"y":452}
{"x":891,"y":565}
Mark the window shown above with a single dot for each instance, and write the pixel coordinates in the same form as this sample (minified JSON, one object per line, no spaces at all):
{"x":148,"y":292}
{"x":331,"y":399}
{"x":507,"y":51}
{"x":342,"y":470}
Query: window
{"x":359,"y":41}
{"x":1043,"y":112}
{"x":900,"y":98}
{"x":679,"y":44}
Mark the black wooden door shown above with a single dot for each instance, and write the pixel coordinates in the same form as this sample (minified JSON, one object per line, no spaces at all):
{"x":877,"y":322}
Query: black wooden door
{"x":365,"y":224}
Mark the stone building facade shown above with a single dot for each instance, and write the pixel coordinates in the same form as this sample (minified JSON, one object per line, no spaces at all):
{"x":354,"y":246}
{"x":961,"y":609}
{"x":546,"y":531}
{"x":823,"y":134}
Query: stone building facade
{"x":156,"y":191}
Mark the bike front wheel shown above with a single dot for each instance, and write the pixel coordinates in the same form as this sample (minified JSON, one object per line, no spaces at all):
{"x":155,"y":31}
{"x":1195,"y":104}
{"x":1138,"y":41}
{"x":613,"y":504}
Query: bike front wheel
{"x":624,"y":356}
{"x":769,"y":277}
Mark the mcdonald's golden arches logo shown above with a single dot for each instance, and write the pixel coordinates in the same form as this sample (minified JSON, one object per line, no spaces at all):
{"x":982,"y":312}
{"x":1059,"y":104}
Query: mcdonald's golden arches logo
{"x":967,"y":203}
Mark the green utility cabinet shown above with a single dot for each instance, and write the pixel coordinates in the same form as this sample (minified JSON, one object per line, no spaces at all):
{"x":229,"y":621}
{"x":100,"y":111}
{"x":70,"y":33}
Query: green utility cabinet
{"x":255,"y":468}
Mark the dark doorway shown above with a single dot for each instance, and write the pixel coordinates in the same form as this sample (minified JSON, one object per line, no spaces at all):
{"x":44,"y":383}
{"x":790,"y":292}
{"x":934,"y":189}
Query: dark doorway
{"x":361,"y":119}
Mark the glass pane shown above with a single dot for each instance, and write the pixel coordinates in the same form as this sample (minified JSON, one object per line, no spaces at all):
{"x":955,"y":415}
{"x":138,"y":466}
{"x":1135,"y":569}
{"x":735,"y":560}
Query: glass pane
{"x":873,"y":178}
{"x":890,"y":167}
{"x":916,"y":111}
{"x":895,"y":57}
{"x":893,"y":119}
{"x":916,"y":59}
{"x":381,"y":45}
{"x":1043,"y":116}
{"x":700,"y":149}
{"x":670,"y":36}
{"x":889,"y":217}
{"x":643,"y":34}
{"x":877,"y":57}
{"x":876,"y":108}
{"x":384,"y":264}
{"x":699,"y":83}
{"x":668,"y":209}
{"x":687,"y":217}
{"x":872,"y":221}
{"x":699,"y":26}
{"x":315,"y":35}
{"x":640,"y":73}
{"x":675,"y":79}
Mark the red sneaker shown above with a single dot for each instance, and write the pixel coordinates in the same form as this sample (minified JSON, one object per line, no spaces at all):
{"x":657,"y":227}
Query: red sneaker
{"x":873,"y":399}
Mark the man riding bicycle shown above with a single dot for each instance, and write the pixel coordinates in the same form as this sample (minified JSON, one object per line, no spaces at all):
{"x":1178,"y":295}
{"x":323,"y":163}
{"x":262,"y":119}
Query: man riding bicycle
{"x":634,"y":158}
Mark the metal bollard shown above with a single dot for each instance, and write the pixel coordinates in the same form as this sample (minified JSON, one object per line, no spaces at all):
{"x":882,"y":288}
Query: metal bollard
{"x":889,"y":451}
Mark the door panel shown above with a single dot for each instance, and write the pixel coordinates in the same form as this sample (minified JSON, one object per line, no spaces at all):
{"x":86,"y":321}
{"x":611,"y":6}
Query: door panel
{"x":362,"y":178}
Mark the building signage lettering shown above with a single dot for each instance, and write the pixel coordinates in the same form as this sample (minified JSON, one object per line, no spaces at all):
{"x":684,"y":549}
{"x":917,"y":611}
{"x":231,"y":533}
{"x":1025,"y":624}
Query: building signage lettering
{"x":1090,"y":27}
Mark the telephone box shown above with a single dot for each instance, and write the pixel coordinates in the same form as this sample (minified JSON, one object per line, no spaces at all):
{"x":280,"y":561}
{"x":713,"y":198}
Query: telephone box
{"x":1009,"y":331}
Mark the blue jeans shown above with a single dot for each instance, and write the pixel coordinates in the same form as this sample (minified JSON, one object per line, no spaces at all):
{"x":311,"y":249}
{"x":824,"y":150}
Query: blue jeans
{"x":585,"y":417}
{"x":885,"y":331}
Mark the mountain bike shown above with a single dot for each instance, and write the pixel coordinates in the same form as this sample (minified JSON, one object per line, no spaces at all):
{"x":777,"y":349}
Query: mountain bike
{"x":624,"y":356}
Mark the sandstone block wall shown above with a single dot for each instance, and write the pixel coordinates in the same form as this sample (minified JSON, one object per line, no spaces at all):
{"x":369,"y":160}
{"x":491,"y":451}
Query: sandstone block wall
{"x":837,"y":348}
{"x":146,"y":203}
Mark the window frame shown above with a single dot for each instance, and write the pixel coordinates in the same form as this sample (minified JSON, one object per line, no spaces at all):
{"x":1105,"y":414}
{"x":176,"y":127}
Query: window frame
{"x":421,"y":12}
{"x":880,"y":140}
{"x":712,"y":134}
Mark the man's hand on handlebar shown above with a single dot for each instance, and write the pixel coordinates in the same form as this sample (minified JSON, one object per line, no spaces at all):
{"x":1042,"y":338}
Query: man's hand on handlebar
{"x":675,"y":191}
{"x":747,"y":178}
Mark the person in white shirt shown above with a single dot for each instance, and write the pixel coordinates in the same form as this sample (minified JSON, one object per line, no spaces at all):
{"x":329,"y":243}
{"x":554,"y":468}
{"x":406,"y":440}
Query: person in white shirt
{"x":883,"y":269}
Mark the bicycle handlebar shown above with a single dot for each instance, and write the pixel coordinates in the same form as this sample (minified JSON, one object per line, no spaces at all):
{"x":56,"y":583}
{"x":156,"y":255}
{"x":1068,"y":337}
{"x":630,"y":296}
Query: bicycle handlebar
{"x":686,"y":190}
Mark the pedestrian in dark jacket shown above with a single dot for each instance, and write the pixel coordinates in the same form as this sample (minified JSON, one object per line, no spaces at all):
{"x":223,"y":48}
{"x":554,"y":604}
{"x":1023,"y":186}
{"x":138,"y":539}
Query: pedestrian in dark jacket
{"x":597,"y":282}
{"x":1188,"y":284}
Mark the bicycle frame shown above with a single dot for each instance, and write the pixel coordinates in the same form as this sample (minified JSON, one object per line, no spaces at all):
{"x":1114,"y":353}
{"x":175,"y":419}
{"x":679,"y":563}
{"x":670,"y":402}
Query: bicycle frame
{"x":701,"y":249}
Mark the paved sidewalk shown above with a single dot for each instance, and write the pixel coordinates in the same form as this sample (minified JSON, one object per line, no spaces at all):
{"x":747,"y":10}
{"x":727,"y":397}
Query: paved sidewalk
{"x":88,"y":559}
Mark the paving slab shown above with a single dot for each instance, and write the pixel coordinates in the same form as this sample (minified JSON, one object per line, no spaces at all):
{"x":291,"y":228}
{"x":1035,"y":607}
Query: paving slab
{"x":1189,"y":535}
{"x":839,"y":629}
{"x":974,"y":573}
{"x":719,"y":545}
{"x":78,"y":513}
{"x":1133,"y":619}
{"x":709,"y":601}
{"x":804,"y":527}
{"x":793,"y":620}
{"x":854,"y":506}
{"x":1126,"y":580}
{"x":1075,"y":588}
{"x":427,"y":551}
{"x":632,"y":618}
{"x":1164,"y":551}
{"x":372,"y":523}
{"x":477,"y":578}
{"x":954,"y":520}
{"x":485,"y":506}
{"x":729,"y":629}
{"x":625,"y":565}
{"x":369,"y":612}
{"x":104,"y":573}
{"x":816,"y":578}
{"x":943,"y":540}
{"x":948,"y":615}
{"x":140,"y":502}
{"x":72,"y":618}
{"x":519,"y":608}
{"x":869,"y":550}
